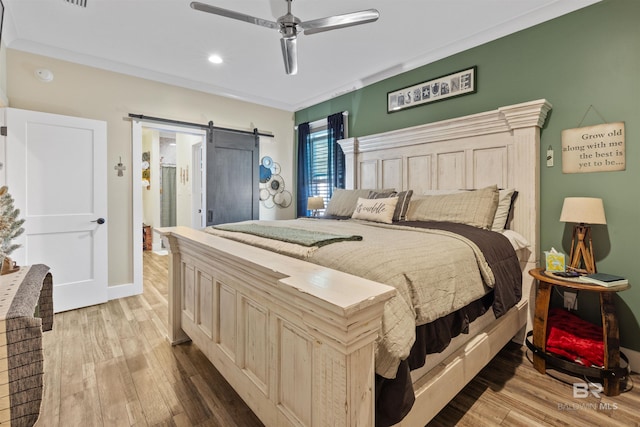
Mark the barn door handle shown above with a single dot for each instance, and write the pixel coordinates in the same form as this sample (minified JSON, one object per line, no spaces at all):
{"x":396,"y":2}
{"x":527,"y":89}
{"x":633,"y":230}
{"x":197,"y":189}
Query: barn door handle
{"x":99,"y":220}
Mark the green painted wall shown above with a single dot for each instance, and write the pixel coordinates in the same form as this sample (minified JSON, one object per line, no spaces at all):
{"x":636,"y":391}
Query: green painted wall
{"x":588,"y":57}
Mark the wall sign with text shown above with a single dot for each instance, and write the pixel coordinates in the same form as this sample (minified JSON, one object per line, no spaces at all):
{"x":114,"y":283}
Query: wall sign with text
{"x":459,"y":83}
{"x":598,"y":148}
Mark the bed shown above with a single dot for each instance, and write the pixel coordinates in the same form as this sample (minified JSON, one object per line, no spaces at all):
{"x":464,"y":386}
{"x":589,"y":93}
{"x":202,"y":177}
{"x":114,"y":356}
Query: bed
{"x":296,"y":340}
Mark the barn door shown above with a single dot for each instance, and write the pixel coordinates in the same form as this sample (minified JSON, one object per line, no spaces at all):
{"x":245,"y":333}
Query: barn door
{"x":232,"y":177}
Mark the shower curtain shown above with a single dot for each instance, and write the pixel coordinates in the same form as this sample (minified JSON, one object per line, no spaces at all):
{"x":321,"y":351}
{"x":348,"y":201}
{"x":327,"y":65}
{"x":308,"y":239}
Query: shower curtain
{"x":168,"y":196}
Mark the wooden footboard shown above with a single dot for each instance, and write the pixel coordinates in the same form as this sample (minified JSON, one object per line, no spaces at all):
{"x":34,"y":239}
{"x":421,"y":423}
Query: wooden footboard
{"x":295,"y":340}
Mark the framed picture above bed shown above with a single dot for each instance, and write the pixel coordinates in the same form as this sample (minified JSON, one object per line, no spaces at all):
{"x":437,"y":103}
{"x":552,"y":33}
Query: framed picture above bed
{"x":459,"y":83}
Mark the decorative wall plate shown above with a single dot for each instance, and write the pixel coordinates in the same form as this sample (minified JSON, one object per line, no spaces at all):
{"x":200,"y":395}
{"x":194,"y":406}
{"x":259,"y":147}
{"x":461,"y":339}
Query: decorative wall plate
{"x":272,"y":192}
{"x":275,"y":184}
{"x":264,"y":194}
{"x":267,"y":161}
{"x":283,"y":199}
{"x":265,"y":174}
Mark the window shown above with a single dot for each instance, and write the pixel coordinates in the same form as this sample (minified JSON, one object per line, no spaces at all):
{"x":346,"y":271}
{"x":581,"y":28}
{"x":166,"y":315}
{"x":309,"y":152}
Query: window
{"x":319,"y":164}
{"x":320,"y":160}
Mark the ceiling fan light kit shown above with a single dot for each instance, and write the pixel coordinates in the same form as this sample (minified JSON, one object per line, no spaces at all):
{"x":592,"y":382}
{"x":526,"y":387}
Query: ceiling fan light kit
{"x":289,"y":26}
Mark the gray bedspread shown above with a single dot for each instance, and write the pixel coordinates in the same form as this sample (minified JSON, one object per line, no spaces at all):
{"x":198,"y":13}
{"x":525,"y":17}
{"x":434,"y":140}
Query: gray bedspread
{"x":435,"y":272}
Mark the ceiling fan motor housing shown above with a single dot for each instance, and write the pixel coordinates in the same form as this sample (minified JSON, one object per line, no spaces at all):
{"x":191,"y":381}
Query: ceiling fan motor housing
{"x":288,"y":25}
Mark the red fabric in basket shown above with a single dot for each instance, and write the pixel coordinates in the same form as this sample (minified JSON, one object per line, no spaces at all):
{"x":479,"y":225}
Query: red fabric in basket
{"x":573,"y":338}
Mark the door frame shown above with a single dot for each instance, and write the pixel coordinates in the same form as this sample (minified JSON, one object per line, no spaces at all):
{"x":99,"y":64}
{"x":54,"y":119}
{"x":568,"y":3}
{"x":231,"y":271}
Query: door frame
{"x":136,"y":158}
{"x":196,"y":186}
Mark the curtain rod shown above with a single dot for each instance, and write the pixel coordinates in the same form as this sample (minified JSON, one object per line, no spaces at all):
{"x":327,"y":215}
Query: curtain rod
{"x":321,"y":121}
{"x":208,"y":126}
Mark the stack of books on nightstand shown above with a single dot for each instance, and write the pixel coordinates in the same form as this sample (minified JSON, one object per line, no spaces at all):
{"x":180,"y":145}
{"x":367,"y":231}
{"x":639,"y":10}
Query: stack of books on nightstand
{"x":604,"y":279}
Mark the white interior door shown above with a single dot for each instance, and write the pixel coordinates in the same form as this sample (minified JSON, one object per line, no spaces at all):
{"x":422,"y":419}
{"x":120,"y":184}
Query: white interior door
{"x":56,"y":172}
{"x":196,"y":178}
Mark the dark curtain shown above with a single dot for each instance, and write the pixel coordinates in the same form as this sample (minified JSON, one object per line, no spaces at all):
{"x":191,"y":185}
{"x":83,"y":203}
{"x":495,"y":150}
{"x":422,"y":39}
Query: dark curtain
{"x":304,"y":168}
{"x":335,"y":127}
{"x":335,"y":161}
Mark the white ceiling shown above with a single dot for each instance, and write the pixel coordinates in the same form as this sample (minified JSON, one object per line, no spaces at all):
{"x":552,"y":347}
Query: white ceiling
{"x":167,"y":41}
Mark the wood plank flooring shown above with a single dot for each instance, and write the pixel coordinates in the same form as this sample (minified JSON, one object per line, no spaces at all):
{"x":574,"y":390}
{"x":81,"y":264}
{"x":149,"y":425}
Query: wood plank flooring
{"x":110,"y":365}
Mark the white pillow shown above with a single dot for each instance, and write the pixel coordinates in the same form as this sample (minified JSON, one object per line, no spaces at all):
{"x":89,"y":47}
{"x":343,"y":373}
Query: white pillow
{"x":378,"y":210}
{"x":516,"y":239}
{"x":504,"y":207}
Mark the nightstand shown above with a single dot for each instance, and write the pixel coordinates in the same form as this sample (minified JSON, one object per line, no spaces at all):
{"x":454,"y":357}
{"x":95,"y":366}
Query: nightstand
{"x":546,"y":282}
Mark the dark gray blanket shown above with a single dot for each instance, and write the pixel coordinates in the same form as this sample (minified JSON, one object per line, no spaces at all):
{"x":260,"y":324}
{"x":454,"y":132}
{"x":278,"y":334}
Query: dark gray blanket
{"x":395,"y":397}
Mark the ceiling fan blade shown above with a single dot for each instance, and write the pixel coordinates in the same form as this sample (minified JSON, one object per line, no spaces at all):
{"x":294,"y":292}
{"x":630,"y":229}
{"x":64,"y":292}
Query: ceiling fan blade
{"x":289,"y":54}
{"x":203,"y":7}
{"x":340,"y":21}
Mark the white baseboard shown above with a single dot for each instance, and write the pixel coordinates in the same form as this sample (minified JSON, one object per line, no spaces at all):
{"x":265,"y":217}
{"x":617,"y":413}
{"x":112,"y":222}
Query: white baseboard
{"x":123,"y":291}
{"x":634,"y":358}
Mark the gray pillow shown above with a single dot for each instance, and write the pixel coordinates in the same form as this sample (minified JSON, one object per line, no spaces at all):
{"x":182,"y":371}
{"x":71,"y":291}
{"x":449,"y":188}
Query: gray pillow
{"x":475,"y":208}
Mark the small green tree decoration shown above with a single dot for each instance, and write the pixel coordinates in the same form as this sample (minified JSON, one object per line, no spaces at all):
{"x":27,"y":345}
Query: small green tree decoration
{"x":10,"y":226}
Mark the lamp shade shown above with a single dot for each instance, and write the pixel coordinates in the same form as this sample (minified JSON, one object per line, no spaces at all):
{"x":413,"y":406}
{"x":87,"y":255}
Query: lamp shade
{"x":314,"y":203}
{"x":588,"y":210}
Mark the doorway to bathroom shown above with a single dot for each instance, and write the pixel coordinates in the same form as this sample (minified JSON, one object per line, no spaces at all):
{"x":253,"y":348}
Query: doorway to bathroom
{"x":172,"y":182}
{"x":192,"y":176}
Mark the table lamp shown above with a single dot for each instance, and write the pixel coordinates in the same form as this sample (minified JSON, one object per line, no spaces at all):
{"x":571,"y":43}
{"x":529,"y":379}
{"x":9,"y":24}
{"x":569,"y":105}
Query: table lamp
{"x":314,"y":203}
{"x":582,"y":211}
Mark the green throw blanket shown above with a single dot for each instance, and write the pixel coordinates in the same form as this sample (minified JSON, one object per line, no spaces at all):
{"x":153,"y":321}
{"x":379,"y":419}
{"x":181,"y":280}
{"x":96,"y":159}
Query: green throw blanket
{"x":286,"y":234}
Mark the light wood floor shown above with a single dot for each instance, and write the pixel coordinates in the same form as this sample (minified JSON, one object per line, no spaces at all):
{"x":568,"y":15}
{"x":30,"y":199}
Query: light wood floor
{"x":110,"y":365}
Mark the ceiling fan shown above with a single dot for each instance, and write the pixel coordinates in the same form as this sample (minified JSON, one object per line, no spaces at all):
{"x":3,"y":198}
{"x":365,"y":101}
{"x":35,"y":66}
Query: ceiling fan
{"x":289,"y":26}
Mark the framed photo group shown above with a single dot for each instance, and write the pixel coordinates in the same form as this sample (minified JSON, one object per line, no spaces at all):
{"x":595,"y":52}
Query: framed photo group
{"x":455,"y":84}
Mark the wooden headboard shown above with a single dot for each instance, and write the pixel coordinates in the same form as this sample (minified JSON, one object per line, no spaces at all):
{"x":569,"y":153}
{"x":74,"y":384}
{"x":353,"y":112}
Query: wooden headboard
{"x":500,"y":147}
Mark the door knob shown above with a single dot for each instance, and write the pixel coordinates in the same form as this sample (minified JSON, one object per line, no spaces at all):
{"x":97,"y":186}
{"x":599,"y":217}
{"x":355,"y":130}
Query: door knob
{"x":99,"y":220}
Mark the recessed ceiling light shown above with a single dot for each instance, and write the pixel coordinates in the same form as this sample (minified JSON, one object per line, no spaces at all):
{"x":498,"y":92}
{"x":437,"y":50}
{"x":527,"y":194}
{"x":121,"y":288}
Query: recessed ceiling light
{"x":215,"y":59}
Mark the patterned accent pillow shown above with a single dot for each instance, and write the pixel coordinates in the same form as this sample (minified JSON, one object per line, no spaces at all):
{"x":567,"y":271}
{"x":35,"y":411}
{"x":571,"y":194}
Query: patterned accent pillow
{"x":375,"y":194}
{"x":403,"y":202}
{"x":404,"y":197}
{"x":476,"y":208}
{"x":343,"y":202}
{"x":378,"y":210}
